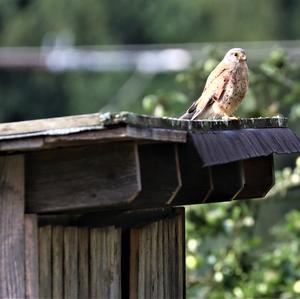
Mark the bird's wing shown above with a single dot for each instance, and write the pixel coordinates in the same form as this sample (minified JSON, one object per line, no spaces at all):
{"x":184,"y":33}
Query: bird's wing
{"x":214,"y":89}
{"x":190,"y":112}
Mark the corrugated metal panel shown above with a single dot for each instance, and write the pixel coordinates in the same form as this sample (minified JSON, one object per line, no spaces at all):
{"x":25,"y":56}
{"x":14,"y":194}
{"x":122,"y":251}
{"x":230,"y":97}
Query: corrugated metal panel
{"x":220,"y":147}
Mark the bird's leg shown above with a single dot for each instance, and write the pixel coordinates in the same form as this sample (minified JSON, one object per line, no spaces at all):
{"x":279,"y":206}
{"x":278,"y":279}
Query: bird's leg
{"x":227,"y":117}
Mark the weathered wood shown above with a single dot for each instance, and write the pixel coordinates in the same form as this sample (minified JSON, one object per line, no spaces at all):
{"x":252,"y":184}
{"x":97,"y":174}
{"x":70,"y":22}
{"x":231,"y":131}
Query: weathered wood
{"x":159,"y":257}
{"x":31,"y":257}
{"x":113,"y":119}
{"x":259,"y":177}
{"x":105,"y":259}
{"x":65,"y":125}
{"x":58,"y":262}
{"x":100,"y":176}
{"x":134,"y":263}
{"x":123,"y":219}
{"x":12,"y":248}
{"x":70,"y":262}
{"x":45,"y":262}
{"x":196,"y":180}
{"x":228,"y":180}
{"x":47,"y":124}
{"x":83,"y":263}
{"x":160,"y":177}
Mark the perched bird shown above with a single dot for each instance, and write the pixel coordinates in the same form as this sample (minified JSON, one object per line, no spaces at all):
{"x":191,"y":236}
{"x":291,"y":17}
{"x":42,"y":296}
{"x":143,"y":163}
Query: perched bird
{"x":224,"y":90}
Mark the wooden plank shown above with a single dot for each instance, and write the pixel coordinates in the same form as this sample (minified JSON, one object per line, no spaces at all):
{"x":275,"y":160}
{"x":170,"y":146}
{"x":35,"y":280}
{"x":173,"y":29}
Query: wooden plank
{"x":12,"y":249}
{"x":134,"y":263}
{"x":113,"y":119}
{"x":180,"y":254}
{"x":158,"y":254}
{"x":99,"y":176}
{"x":114,"y":134}
{"x":123,"y":219}
{"x":160,"y":177}
{"x":259,"y":177}
{"x":70,"y":262}
{"x":45,"y":261}
{"x":228,"y":180}
{"x":105,"y":263}
{"x":46,"y":124}
{"x":126,"y":118}
{"x":196,"y":180}
{"x":57,"y":261}
{"x":21,"y":143}
{"x":83,"y":263}
{"x":31,"y":257}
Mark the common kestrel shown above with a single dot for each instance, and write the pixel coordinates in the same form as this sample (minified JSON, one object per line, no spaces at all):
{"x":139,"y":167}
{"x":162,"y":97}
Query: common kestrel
{"x":224,"y":90}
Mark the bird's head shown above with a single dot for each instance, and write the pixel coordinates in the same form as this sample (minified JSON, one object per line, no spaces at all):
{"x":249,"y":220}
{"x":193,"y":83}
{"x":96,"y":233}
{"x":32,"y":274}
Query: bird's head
{"x":235,"y":55}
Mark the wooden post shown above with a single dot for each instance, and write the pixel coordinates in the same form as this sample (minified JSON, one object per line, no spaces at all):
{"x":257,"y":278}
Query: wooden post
{"x":45,"y":261}
{"x":12,"y":249}
{"x":31,"y":254}
{"x":105,"y":259}
{"x":157,"y":266}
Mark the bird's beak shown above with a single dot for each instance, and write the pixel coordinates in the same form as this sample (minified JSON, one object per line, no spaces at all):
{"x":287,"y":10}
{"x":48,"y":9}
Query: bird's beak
{"x":242,"y":57}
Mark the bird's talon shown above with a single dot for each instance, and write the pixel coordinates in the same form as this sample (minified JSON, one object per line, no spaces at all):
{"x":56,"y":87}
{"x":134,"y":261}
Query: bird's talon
{"x":226,"y":117}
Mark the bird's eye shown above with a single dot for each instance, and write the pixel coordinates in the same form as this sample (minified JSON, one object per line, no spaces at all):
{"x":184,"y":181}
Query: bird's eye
{"x":235,"y":54}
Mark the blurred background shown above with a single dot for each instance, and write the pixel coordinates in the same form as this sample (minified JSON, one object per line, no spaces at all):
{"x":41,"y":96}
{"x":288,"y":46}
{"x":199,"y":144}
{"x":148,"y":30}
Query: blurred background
{"x":60,"y":58}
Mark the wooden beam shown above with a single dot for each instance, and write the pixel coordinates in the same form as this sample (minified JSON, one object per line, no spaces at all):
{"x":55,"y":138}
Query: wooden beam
{"x":160,"y":177}
{"x":70,"y":262}
{"x":12,"y":248}
{"x":100,"y":176}
{"x":126,"y":118}
{"x":83,"y":262}
{"x":45,"y":262}
{"x":228,"y":180}
{"x":31,"y":254}
{"x":57,"y":262}
{"x":123,"y":219}
{"x":157,"y":259}
{"x":259,"y":177}
{"x":105,"y":262}
{"x":196,"y":180}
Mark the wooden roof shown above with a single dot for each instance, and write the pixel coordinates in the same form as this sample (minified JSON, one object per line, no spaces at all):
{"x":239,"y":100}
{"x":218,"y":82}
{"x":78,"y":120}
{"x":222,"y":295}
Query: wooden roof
{"x":80,"y":163}
{"x":82,"y":129}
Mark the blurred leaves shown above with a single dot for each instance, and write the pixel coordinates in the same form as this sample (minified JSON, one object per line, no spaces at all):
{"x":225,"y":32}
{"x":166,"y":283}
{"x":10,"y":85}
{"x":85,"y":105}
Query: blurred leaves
{"x":229,"y":262}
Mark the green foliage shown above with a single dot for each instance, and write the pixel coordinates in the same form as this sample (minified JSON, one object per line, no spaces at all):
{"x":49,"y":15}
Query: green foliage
{"x":226,"y":260}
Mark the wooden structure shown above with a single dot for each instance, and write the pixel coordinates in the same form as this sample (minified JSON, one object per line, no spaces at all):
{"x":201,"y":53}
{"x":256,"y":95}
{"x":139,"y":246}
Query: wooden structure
{"x":90,"y":205}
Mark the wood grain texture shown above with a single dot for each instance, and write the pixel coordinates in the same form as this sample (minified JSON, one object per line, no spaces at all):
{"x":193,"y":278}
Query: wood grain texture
{"x":45,"y":262}
{"x":228,"y":181}
{"x":123,"y":219}
{"x":58,"y":262}
{"x":158,"y":254}
{"x":12,"y":248}
{"x":196,"y":181}
{"x":54,"y":140}
{"x":47,"y":124}
{"x":44,"y":126}
{"x":105,"y":254}
{"x":259,"y":177}
{"x":83,"y":263}
{"x":31,"y":255}
{"x":99,"y":176}
{"x":160,"y":177}
{"x":133,"y":119}
{"x":70,"y":262}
